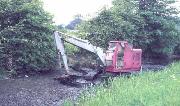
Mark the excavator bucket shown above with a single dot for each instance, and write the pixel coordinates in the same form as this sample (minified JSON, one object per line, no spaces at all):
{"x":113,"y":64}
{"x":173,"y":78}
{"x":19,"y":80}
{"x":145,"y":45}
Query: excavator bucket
{"x":79,"y":77}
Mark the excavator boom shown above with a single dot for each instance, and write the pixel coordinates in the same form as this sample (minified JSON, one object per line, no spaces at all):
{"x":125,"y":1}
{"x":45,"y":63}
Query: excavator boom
{"x":84,"y":44}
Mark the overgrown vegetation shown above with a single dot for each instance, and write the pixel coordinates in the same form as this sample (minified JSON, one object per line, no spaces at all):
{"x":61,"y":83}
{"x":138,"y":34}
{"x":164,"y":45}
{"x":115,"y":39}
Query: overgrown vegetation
{"x":26,"y":42}
{"x":26,"y":30}
{"x":161,"y":88}
{"x":148,"y":24}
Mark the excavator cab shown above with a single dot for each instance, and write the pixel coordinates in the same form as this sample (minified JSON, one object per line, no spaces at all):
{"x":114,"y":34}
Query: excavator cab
{"x":121,"y":57}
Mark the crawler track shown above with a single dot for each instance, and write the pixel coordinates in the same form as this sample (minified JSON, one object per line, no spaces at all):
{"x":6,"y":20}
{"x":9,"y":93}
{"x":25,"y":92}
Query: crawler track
{"x":87,"y":76}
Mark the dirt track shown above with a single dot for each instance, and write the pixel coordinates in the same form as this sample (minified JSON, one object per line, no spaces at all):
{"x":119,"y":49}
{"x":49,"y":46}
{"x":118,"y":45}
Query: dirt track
{"x":35,"y":91}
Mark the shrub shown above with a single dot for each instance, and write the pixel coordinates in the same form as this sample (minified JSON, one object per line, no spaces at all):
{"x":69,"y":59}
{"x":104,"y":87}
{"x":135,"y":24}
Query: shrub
{"x":26,"y":42}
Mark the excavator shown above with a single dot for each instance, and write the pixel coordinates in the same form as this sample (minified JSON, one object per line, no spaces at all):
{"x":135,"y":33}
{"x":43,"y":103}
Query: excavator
{"x":120,"y":56}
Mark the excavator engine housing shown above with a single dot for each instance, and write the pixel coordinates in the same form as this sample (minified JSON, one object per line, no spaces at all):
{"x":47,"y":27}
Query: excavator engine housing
{"x":121,"y":57}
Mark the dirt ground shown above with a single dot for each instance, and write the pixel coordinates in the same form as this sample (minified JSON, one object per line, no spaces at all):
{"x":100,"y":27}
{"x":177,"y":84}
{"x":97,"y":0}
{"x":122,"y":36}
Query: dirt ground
{"x":39,"y":90}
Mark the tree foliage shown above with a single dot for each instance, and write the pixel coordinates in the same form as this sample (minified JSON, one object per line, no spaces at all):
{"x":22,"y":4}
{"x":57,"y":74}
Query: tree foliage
{"x":77,"y":20}
{"x":26,"y":42}
{"x":148,"y":24}
{"x":160,"y":18}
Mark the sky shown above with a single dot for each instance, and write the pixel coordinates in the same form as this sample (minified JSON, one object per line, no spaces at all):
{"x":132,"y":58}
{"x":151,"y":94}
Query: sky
{"x":65,"y":10}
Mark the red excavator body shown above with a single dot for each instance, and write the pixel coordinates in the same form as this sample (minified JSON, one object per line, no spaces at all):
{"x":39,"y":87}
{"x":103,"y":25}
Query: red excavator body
{"x":121,"y":57}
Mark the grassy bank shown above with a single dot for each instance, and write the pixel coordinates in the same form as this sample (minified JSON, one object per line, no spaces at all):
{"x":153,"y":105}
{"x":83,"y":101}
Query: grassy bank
{"x":160,"y":88}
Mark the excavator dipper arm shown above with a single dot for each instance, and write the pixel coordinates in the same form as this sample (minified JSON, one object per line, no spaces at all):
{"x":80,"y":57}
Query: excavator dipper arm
{"x":61,"y":51}
{"x":84,"y":44}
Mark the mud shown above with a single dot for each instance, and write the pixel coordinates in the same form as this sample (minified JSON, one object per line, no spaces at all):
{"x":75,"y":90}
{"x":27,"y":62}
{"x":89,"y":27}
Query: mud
{"x":43,"y":90}
{"x":149,"y":67}
{"x":39,"y":90}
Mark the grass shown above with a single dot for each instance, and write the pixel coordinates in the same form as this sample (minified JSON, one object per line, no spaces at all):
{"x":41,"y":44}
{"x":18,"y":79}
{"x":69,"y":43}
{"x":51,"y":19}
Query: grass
{"x":161,"y":88}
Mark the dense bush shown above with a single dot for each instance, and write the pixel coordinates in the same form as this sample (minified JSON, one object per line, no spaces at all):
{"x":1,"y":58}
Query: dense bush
{"x":148,"y":24}
{"x":26,"y":42}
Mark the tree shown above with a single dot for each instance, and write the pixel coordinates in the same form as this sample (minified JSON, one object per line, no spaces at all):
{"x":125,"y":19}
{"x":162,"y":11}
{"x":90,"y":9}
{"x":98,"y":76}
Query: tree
{"x":25,"y":36}
{"x":148,"y":24}
{"x":160,"y":28}
{"x":113,"y":24}
{"x":77,"y":20}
